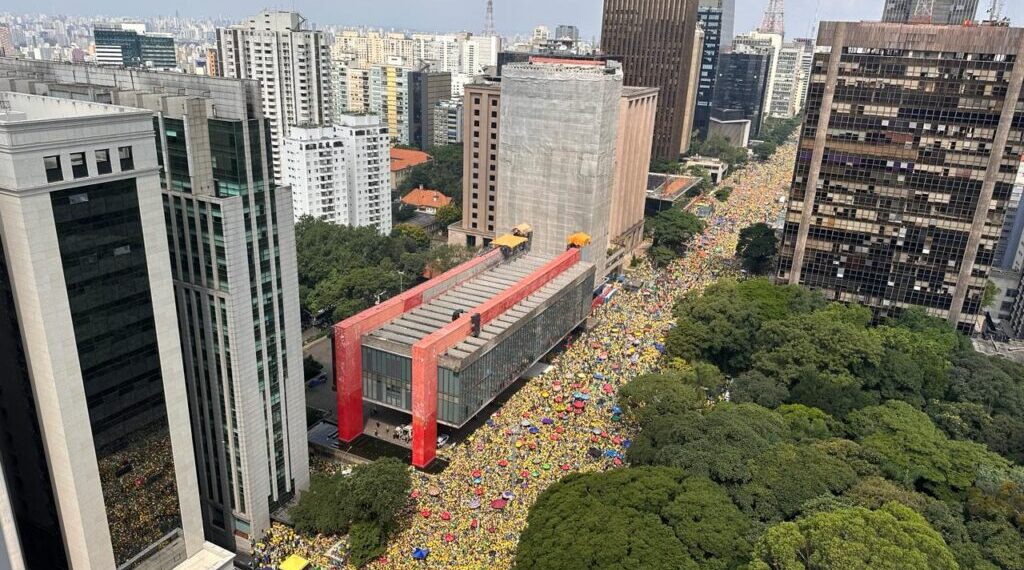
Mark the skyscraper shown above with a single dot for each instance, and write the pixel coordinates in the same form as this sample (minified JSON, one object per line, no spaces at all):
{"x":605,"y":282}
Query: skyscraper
{"x":292,"y":64}
{"x":939,"y":11}
{"x":711,"y":22}
{"x":728,"y":9}
{"x":907,"y":165}
{"x":481,"y":120}
{"x":6,"y":41}
{"x":230,"y":236}
{"x":93,"y":332}
{"x":341,"y":173}
{"x":742,"y":85}
{"x":655,"y":41}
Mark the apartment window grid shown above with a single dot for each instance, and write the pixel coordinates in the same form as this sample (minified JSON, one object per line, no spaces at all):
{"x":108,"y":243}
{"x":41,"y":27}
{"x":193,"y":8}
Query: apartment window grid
{"x":908,"y":142}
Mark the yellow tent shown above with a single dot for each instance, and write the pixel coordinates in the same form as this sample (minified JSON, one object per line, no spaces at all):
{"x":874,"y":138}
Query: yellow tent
{"x":510,"y":241}
{"x":579,"y":239}
{"x":294,"y":562}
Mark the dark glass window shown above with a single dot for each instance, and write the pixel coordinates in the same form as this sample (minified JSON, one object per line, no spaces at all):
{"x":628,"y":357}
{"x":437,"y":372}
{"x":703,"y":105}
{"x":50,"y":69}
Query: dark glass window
{"x":103,"y":165}
{"x":127,"y":160}
{"x":103,"y":255}
{"x":53,"y":171}
{"x":79,"y":169}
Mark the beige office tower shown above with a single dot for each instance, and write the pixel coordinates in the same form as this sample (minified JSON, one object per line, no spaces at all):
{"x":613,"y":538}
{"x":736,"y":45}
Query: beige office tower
{"x":637,"y":109}
{"x":906,"y":166}
{"x":95,"y":408}
{"x":292,"y":64}
{"x":481,"y":124}
{"x":556,"y":152}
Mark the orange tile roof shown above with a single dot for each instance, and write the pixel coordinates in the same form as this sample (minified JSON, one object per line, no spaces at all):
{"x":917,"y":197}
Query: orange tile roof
{"x":402,"y":158}
{"x":426,"y":198}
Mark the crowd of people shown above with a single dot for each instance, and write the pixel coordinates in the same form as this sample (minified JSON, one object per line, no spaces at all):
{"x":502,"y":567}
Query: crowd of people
{"x":566,"y":421}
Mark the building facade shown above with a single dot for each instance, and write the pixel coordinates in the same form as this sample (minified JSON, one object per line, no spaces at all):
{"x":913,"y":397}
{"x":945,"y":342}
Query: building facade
{"x":341,"y":173}
{"x":448,"y":122}
{"x":788,"y":82}
{"x":953,"y":12}
{"x":635,"y":131}
{"x":728,"y":9}
{"x":556,"y":152}
{"x":120,"y":47}
{"x":94,"y":333}
{"x":481,"y":125}
{"x":427,"y":89}
{"x":655,"y":41}
{"x":711,"y":22}
{"x":292,"y":64}
{"x":742,"y":85}
{"x":232,"y":249}
{"x":905,"y":170}
{"x":389,"y":99}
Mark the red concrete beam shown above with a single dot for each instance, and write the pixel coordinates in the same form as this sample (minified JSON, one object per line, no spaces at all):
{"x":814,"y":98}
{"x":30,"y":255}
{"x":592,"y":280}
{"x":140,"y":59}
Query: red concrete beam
{"x":348,"y":334}
{"x":427,"y":350}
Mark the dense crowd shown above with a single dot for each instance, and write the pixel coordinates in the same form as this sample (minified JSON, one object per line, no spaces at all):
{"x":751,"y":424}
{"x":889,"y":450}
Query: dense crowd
{"x":566,"y":420}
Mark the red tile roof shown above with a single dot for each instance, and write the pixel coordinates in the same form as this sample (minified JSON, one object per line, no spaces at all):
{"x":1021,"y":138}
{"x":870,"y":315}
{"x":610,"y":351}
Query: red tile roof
{"x":402,"y":158}
{"x":426,"y":198}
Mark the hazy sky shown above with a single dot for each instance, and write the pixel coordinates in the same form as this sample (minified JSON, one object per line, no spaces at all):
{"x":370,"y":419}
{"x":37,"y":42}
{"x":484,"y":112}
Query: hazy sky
{"x":448,"y":15}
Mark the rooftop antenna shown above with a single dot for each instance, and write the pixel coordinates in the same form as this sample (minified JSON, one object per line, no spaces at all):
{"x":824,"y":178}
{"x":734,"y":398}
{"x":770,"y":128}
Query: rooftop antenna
{"x":774,"y":18}
{"x":995,"y":10}
{"x":489,"y":21}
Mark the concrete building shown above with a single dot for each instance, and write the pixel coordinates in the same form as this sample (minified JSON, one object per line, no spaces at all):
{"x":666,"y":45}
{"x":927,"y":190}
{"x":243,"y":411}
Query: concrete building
{"x":787,"y":83}
{"x":6,"y":41}
{"x":448,"y":122}
{"x":742,"y":88}
{"x":444,"y":350}
{"x":119,"y":46}
{"x":900,"y":202}
{"x":564,"y":31}
{"x":481,"y":127}
{"x":235,"y":281}
{"x":767,"y":44}
{"x":656,"y":41}
{"x":341,"y":173}
{"x":710,"y":19}
{"x":292,"y":64}
{"x":389,"y":99}
{"x":728,"y":11}
{"x":635,"y":131}
{"x":426,"y":90}
{"x":732,"y":125}
{"x":556,"y":152}
{"x":953,"y":12}
{"x":92,"y":348}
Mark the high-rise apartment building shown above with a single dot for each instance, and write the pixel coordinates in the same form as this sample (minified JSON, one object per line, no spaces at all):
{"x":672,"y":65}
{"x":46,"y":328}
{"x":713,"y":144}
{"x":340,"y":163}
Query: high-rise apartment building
{"x":656,"y":41}
{"x":292,"y":64}
{"x":94,"y":334}
{"x":6,"y":41}
{"x":907,"y":163}
{"x":426,"y":90}
{"x":232,"y":249}
{"x":954,"y":12}
{"x":341,"y":173}
{"x":742,"y":85}
{"x":389,"y":99}
{"x":787,"y":83}
{"x":481,"y":125}
{"x":556,"y":151}
{"x":119,"y":46}
{"x":448,"y":122}
{"x":710,"y":20}
{"x":567,"y":32}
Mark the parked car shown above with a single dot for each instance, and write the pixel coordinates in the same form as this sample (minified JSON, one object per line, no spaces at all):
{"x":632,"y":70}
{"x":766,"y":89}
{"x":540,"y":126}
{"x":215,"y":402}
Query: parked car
{"x":443,"y":440}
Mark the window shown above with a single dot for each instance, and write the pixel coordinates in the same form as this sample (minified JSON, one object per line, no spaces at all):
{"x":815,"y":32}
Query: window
{"x":125,"y":154}
{"x":79,"y":169}
{"x":103,"y":162}
{"x":53,"y":171}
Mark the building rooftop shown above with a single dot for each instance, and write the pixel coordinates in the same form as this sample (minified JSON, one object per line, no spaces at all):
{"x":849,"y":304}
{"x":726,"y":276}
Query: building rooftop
{"x":402,"y":158}
{"x":669,"y":186}
{"x":20,"y":107}
{"x":399,"y":335}
{"x":425,"y":198}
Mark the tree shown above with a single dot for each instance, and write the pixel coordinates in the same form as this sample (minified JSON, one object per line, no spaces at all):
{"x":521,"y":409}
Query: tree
{"x":605,"y":520}
{"x":785,"y":476}
{"x":443,"y":173}
{"x":890,"y":538}
{"x":674,"y":228}
{"x":713,"y":530}
{"x":448,"y":215}
{"x":756,"y":248}
{"x":652,"y":395}
{"x":806,"y":423}
{"x":717,"y":443}
{"x":914,"y":452}
{"x":717,"y":146}
{"x":414,"y":233}
{"x":310,"y":367}
{"x":765,"y":149}
{"x":723,"y":194}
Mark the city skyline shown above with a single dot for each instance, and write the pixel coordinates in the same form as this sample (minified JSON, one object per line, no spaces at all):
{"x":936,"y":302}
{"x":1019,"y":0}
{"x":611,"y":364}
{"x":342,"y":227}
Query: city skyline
{"x":468,"y":15}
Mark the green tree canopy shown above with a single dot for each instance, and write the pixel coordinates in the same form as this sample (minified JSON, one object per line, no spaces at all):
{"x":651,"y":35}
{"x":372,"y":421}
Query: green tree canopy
{"x":890,"y":538}
{"x":674,"y":228}
{"x":756,"y":248}
{"x":652,"y":395}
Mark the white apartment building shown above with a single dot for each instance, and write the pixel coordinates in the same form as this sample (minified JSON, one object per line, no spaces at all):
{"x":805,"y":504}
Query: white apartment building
{"x":93,"y":334}
{"x":788,"y":80}
{"x":342,"y":173}
{"x":292,"y":64}
{"x":448,"y":122}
